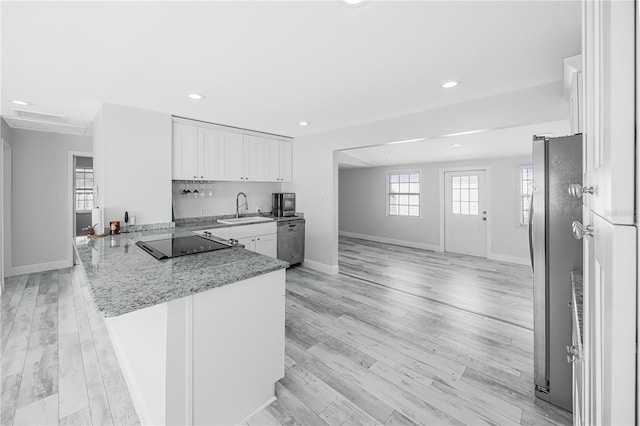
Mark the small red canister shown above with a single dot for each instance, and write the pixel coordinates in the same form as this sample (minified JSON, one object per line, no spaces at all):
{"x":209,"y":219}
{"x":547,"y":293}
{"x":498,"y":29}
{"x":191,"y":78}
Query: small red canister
{"x":114,"y":227}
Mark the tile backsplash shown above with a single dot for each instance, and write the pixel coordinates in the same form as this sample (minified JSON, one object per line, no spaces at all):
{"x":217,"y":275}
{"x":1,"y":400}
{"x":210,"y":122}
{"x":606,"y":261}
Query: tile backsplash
{"x":219,"y":198}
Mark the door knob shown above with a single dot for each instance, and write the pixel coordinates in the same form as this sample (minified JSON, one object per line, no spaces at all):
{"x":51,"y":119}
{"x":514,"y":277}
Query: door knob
{"x":580,"y":230}
{"x":578,"y":190}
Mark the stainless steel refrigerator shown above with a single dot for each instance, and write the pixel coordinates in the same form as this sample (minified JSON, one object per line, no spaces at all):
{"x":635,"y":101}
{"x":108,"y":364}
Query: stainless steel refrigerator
{"x":557,"y":163}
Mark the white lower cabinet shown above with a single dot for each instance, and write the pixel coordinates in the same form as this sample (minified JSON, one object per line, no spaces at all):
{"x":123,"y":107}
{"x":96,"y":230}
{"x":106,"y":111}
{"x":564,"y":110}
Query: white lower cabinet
{"x":249,"y":243}
{"x":267,"y":245}
{"x":261,"y":238}
{"x":209,"y":358}
{"x":238,"y":349}
{"x":264,"y":243}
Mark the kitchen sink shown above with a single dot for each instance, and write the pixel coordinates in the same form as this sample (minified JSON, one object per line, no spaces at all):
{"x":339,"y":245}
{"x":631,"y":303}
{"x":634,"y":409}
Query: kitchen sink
{"x":252,"y":219}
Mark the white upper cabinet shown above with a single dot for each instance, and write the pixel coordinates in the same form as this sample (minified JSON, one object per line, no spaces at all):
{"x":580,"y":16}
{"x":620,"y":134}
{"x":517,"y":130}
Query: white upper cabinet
{"x":609,"y":106}
{"x":233,"y":156}
{"x":185,"y":152}
{"x":286,"y":161}
{"x":273,"y":160}
{"x":205,"y":153}
{"x":279,"y":158}
{"x":255,"y":158}
{"x":211,"y":155}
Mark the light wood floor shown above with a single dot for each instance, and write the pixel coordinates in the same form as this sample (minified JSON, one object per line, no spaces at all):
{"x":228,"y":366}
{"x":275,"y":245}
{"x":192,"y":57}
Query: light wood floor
{"x":423,"y":338}
{"x":58,"y":365}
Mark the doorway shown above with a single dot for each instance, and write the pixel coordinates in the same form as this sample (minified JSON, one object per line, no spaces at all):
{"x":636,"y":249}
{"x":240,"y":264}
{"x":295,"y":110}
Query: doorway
{"x":83,"y":194}
{"x":465,"y":212}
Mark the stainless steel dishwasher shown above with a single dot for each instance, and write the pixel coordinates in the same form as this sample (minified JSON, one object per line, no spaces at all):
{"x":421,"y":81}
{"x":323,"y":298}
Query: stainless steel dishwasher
{"x":291,"y":240}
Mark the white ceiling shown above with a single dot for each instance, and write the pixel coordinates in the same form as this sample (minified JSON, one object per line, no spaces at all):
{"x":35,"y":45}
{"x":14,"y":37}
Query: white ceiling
{"x":508,"y":142}
{"x":268,"y":65}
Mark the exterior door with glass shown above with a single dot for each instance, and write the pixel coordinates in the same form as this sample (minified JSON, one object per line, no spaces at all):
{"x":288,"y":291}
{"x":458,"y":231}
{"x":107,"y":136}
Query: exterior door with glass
{"x":465,"y":214}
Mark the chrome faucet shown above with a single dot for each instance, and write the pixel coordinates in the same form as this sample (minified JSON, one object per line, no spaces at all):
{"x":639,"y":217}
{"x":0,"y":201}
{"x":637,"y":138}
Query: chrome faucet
{"x":245,"y":204}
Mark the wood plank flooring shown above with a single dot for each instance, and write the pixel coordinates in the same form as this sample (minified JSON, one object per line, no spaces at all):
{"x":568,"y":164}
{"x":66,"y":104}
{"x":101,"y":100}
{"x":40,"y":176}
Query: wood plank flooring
{"x":407,"y":337}
{"x":58,"y":365}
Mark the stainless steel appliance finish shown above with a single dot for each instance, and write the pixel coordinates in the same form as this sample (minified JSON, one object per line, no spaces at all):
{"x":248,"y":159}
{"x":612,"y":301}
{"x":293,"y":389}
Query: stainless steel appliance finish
{"x":283,"y":204}
{"x":181,"y":246}
{"x":557,"y":164}
{"x":291,"y":240}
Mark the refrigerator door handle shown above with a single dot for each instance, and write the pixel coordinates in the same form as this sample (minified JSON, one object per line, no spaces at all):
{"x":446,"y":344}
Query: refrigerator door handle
{"x":531,"y":230}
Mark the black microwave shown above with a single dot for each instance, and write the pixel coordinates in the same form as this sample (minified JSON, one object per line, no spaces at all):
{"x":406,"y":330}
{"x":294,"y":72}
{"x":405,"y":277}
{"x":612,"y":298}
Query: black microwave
{"x":283,"y":204}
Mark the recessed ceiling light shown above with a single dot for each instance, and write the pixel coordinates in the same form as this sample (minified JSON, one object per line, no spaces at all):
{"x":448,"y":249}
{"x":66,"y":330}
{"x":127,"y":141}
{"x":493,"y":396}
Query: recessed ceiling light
{"x":304,"y":123}
{"x":353,"y":1}
{"x":196,"y":96}
{"x":450,"y":84}
{"x":456,"y":145}
{"x":23,"y":103}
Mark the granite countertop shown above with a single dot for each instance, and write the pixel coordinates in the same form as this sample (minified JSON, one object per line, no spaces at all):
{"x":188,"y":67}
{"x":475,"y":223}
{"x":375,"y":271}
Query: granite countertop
{"x":124,"y":278}
{"x":577,"y":290}
{"x":211,"y":222}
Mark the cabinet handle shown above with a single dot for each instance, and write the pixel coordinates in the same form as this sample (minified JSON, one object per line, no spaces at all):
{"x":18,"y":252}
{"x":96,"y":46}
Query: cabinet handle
{"x":580,"y":230}
{"x":195,"y":177}
{"x":578,"y":190}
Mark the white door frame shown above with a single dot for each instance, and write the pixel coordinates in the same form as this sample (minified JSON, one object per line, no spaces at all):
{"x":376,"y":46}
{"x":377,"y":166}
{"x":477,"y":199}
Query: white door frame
{"x":7,"y":259}
{"x":71,"y":200}
{"x":441,"y":185}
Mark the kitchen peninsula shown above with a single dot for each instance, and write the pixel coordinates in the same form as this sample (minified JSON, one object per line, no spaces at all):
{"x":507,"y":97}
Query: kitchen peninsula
{"x":200,"y":338}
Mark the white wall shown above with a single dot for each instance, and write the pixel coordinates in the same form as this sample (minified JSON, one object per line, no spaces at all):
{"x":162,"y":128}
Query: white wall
{"x":40,"y":204}
{"x":362,"y":206}
{"x":223,"y":198}
{"x":132,"y":160}
{"x":315,"y":170}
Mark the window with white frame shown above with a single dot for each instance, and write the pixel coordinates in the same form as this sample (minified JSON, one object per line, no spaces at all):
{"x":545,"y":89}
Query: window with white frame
{"x":464,"y":195}
{"x":525,"y":189}
{"x":403,"y":193}
{"x":84,"y":188}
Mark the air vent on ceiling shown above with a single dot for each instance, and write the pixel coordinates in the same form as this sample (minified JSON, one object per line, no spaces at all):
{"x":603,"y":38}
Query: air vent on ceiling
{"x":44,"y":126}
{"x":41,"y":116}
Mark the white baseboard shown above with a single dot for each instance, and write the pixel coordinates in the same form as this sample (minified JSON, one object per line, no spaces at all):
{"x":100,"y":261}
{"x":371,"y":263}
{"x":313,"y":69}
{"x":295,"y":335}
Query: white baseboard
{"x":256,"y":411}
{"x":321,"y":267}
{"x":38,"y":267}
{"x":404,"y":243}
{"x":509,"y":259}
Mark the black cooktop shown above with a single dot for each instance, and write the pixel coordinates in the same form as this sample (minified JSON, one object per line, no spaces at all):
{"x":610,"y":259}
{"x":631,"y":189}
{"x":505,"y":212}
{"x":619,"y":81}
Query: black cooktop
{"x":180,"y":246}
